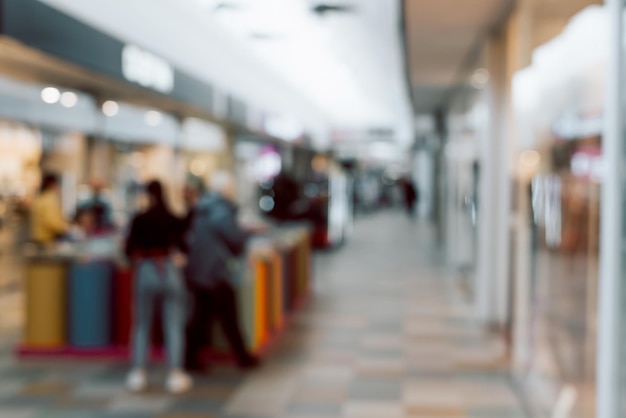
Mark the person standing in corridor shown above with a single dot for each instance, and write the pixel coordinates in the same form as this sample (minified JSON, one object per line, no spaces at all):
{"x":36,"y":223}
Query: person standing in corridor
{"x":215,"y":242}
{"x":411,"y":195}
{"x":154,"y":246}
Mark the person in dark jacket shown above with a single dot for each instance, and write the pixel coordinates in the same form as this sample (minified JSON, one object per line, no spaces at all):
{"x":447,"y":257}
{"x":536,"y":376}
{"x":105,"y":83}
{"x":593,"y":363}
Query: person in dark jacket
{"x":153,"y":245}
{"x":411,"y":195}
{"x":215,"y":241}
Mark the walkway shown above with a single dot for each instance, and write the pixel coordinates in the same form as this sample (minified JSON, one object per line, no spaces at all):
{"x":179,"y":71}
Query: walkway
{"x":384,"y":338}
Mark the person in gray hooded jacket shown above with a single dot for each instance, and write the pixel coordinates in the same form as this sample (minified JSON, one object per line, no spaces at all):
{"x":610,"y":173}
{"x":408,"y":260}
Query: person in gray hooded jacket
{"x":215,"y":241}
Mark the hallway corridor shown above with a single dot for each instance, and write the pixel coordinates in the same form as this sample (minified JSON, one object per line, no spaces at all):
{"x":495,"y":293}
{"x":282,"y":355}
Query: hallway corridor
{"x":386,"y":336}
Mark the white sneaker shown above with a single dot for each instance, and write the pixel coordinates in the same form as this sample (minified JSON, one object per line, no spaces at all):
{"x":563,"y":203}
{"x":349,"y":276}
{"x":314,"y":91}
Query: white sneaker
{"x":137,"y":380}
{"x":178,"y":382}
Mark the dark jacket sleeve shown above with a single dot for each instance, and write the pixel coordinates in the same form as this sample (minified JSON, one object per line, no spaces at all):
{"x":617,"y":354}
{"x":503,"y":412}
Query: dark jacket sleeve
{"x":231,"y":233}
{"x":131,"y":240}
{"x":186,"y":223}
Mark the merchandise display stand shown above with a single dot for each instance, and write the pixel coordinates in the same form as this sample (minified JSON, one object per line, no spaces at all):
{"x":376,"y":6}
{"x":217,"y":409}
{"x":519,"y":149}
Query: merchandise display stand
{"x":80,"y":308}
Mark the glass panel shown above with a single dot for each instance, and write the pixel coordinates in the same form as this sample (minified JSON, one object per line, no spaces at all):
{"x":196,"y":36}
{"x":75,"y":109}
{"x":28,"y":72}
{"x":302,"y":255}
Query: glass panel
{"x":565,"y":127}
{"x":622,"y":307}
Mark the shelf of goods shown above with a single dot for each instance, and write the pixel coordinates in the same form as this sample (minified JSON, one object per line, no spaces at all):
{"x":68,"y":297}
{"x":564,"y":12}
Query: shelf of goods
{"x":82,"y":307}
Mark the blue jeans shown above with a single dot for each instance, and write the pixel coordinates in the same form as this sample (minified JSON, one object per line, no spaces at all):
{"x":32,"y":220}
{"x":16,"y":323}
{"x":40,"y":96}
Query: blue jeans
{"x":156,"y":280}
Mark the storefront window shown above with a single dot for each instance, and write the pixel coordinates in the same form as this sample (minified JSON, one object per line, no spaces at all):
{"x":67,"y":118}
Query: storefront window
{"x":561,"y":125}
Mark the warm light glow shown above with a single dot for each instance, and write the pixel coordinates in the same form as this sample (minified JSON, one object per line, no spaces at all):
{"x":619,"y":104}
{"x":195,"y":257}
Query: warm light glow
{"x":110,"y":108}
{"x":319,"y":163}
{"x":530,"y":158}
{"x":198,"y":168}
{"x":50,"y":95}
{"x":69,"y":99}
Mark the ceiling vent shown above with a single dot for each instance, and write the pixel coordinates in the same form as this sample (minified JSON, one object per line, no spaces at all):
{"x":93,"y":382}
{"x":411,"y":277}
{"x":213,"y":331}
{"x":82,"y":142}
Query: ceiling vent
{"x":323,"y":9}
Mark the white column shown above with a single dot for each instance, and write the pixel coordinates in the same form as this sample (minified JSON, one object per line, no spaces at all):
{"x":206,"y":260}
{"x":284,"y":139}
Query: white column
{"x":494,"y":192}
{"x":610,"y":332}
{"x":507,"y":52}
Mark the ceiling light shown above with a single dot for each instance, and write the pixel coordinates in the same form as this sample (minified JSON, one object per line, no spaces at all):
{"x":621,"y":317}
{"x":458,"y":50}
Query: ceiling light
{"x":110,"y":108}
{"x":50,"y":95}
{"x":284,"y":128}
{"x":154,"y":118}
{"x":383,"y":150}
{"x":222,"y":5}
{"x":69,"y":99}
{"x":267,"y":203}
{"x":480,"y":78}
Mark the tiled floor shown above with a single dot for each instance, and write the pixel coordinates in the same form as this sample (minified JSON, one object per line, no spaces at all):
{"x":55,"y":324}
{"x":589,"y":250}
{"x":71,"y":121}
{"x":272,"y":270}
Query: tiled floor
{"x":384,"y":337}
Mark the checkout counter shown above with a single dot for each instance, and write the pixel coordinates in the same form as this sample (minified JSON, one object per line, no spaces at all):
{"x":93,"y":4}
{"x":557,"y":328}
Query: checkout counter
{"x":79,"y":296}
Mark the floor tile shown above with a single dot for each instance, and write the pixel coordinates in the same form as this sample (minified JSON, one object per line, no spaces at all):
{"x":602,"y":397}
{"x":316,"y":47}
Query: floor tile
{"x":382,"y":338}
{"x":375,"y":389}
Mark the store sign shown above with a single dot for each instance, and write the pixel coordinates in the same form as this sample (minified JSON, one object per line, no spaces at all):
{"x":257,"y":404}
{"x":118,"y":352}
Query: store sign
{"x":147,"y":70}
{"x":575,"y":127}
{"x":588,"y":163}
{"x":236,"y":111}
{"x":285,"y":128}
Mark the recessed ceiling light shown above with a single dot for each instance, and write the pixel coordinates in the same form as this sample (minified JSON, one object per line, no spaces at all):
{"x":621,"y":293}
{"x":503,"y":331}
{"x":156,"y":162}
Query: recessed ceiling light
{"x":110,"y":108}
{"x":50,"y":95}
{"x":480,"y":78}
{"x":223,"y":5}
{"x":69,"y":99}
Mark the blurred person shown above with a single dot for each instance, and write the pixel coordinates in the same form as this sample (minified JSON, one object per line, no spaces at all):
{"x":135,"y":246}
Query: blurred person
{"x":84,"y":225}
{"x":47,"y":221}
{"x":216,"y":240}
{"x":98,"y":205}
{"x":286,"y":194}
{"x":153,"y":245}
{"x":411,"y":195}
{"x":193,"y":190}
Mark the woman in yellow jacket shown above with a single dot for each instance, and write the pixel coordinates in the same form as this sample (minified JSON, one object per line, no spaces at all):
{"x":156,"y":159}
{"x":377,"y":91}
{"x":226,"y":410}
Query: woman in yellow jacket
{"x":47,"y":221}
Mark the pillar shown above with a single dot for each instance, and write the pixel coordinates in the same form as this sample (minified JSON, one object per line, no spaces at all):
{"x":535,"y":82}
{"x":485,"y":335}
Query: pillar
{"x":611,"y":303}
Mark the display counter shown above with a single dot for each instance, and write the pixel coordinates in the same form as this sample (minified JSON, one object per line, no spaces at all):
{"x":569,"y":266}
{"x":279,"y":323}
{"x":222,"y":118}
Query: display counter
{"x":79,"y":298}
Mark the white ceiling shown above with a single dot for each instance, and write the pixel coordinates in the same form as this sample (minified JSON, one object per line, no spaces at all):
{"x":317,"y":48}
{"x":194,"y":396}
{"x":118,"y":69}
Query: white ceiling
{"x":441,"y":35}
{"x":349,"y":64}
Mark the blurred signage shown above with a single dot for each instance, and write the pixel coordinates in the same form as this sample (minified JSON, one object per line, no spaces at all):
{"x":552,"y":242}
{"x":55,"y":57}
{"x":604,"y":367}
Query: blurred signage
{"x":574,"y":126}
{"x":588,"y":163}
{"x":146,"y":69}
{"x":46,"y":29}
{"x":372,"y":134}
{"x":381,"y":133}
